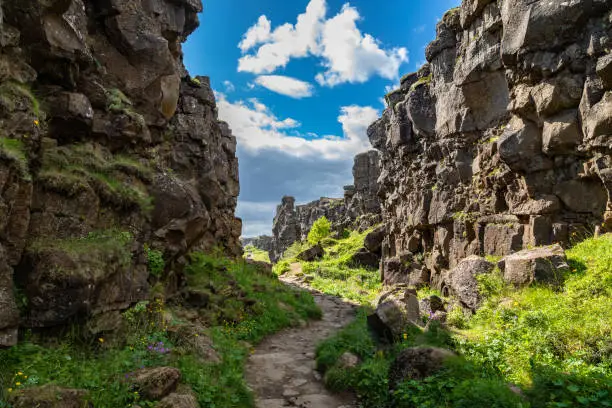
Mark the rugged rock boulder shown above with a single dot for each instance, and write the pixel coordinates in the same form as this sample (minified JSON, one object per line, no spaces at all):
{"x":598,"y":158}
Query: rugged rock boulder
{"x":50,"y":396}
{"x":104,"y":136}
{"x":157,"y":382}
{"x":462,"y":283}
{"x":397,"y":309}
{"x":311,"y":254}
{"x":177,"y":400}
{"x":502,"y":141}
{"x":417,"y":363}
{"x":541,"y":265}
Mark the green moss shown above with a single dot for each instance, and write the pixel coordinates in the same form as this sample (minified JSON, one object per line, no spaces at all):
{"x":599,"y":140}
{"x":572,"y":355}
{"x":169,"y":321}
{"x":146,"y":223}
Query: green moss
{"x":118,"y":180}
{"x":14,"y":150}
{"x":426,"y":80}
{"x":11,"y":91}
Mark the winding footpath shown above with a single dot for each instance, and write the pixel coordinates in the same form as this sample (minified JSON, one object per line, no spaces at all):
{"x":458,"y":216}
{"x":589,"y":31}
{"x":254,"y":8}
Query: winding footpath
{"x":282,"y":371}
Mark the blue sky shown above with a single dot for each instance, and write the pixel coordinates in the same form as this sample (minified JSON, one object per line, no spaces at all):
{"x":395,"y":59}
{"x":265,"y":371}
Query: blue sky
{"x":299,"y":81}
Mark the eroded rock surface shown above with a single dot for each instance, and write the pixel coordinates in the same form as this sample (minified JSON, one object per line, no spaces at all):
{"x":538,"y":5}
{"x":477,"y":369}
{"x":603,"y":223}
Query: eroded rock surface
{"x":103,"y":130}
{"x":501,"y":141}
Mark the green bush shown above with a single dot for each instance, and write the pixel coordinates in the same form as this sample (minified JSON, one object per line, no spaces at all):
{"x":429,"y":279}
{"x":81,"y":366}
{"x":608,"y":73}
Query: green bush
{"x":155,"y":261}
{"x":320,"y":230}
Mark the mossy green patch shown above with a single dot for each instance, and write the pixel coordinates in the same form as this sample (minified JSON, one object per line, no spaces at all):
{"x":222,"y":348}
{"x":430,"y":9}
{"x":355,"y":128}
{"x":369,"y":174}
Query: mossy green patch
{"x":14,"y":151}
{"x":118,"y":180}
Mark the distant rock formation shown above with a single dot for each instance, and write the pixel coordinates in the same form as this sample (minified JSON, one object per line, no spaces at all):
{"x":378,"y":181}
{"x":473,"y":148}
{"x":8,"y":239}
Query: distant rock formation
{"x":107,"y":144}
{"x":502,"y":141}
{"x":359,"y":209}
{"x":263,"y":242}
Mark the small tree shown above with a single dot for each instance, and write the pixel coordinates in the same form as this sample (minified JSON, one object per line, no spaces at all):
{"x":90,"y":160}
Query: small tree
{"x":320,"y":229}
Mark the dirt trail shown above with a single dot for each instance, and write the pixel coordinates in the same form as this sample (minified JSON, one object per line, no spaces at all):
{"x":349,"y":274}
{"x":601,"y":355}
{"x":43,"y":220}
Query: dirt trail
{"x":282,"y":372}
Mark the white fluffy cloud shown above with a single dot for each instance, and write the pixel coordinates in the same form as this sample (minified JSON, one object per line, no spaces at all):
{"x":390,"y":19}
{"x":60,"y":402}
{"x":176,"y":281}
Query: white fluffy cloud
{"x":257,"y":128}
{"x":347,"y":54}
{"x":285,"y":42}
{"x":285,"y":85}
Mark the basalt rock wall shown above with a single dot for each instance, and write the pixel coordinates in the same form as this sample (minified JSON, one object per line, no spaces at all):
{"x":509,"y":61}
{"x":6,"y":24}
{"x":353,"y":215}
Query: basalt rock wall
{"x":359,"y":209}
{"x":108,"y":150}
{"x":502,"y":141}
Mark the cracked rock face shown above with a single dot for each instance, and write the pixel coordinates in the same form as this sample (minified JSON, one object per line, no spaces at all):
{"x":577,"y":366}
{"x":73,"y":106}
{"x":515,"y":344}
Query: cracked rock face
{"x":103,"y":130}
{"x":502,"y":141}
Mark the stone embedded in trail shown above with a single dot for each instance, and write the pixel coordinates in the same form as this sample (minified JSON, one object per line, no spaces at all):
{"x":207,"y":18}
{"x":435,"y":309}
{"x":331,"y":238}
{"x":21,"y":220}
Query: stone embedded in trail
{"x":397,"y":309}
{"x":539,"y":265}
{"x":462,"y":283}
{"x":417,"y":363}
{"x":312,"y":254}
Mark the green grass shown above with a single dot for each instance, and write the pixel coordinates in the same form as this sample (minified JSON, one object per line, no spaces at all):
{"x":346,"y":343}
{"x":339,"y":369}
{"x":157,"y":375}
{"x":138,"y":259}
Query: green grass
{"x":426,"y":80}
{"x":100,"y":365}
{"x":552,"y":343}
{"x":118,"y":180}
{"x":334,"y":274}
{"x":256,"y":254}
{"x":11,"y":91}
{"x":14,"y":150}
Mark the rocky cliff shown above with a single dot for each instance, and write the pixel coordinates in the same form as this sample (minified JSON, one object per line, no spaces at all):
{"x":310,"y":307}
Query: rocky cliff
{"x":359,"y":209}
{"x":263,"y":242}
{"x":503,"y":140}
{"x":108,"y":150}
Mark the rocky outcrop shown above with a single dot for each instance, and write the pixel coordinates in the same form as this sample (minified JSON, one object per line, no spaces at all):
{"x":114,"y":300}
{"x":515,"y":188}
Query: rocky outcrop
{"x":502,"y":141}
{"x":397,"y":310}
{"x":539,"y":265}
{"x":358,"y":210}
{"x":417,"y":363}
{"x":263,"y":242}
{"x":107,"y":144}
{"x":286,"y":228}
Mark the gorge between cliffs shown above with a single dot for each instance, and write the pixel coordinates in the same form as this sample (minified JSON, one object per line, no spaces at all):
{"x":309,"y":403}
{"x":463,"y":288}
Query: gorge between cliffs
{"x":469,"y":263}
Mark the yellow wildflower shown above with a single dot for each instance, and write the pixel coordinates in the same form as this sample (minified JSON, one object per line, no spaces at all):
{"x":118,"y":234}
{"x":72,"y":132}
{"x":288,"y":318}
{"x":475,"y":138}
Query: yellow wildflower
{"x":36,"y":122}
{"x":405,"y":336}
{"x":19,"y":373}
{"x":101,"y":340}
{"x":10,"y":390}
{"x":18,"y":383}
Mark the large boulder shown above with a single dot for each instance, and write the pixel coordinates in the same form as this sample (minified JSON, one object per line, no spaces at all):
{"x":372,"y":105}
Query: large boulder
{"x":311,"y":254}
{"x":541,"y":265}
{"x":366,"y":259}
{"x":463,"y":283}
{"x":373,"y":241}
{"x":157,"y":382}
{"x":397,"y":309}
{"x":417,"y":363}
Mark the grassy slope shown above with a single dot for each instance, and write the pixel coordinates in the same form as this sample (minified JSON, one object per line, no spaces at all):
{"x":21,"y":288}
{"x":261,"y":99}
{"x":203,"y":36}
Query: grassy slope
{"x":256,"y":254}
{"x":555,"y":345}
{"x":100,"y":364}
{"x":334,"y":274}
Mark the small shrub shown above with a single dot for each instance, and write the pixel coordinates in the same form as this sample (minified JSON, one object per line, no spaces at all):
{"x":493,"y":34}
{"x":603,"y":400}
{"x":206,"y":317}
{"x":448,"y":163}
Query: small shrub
{"x":155,"y":261}
{"x":320,"y":230}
